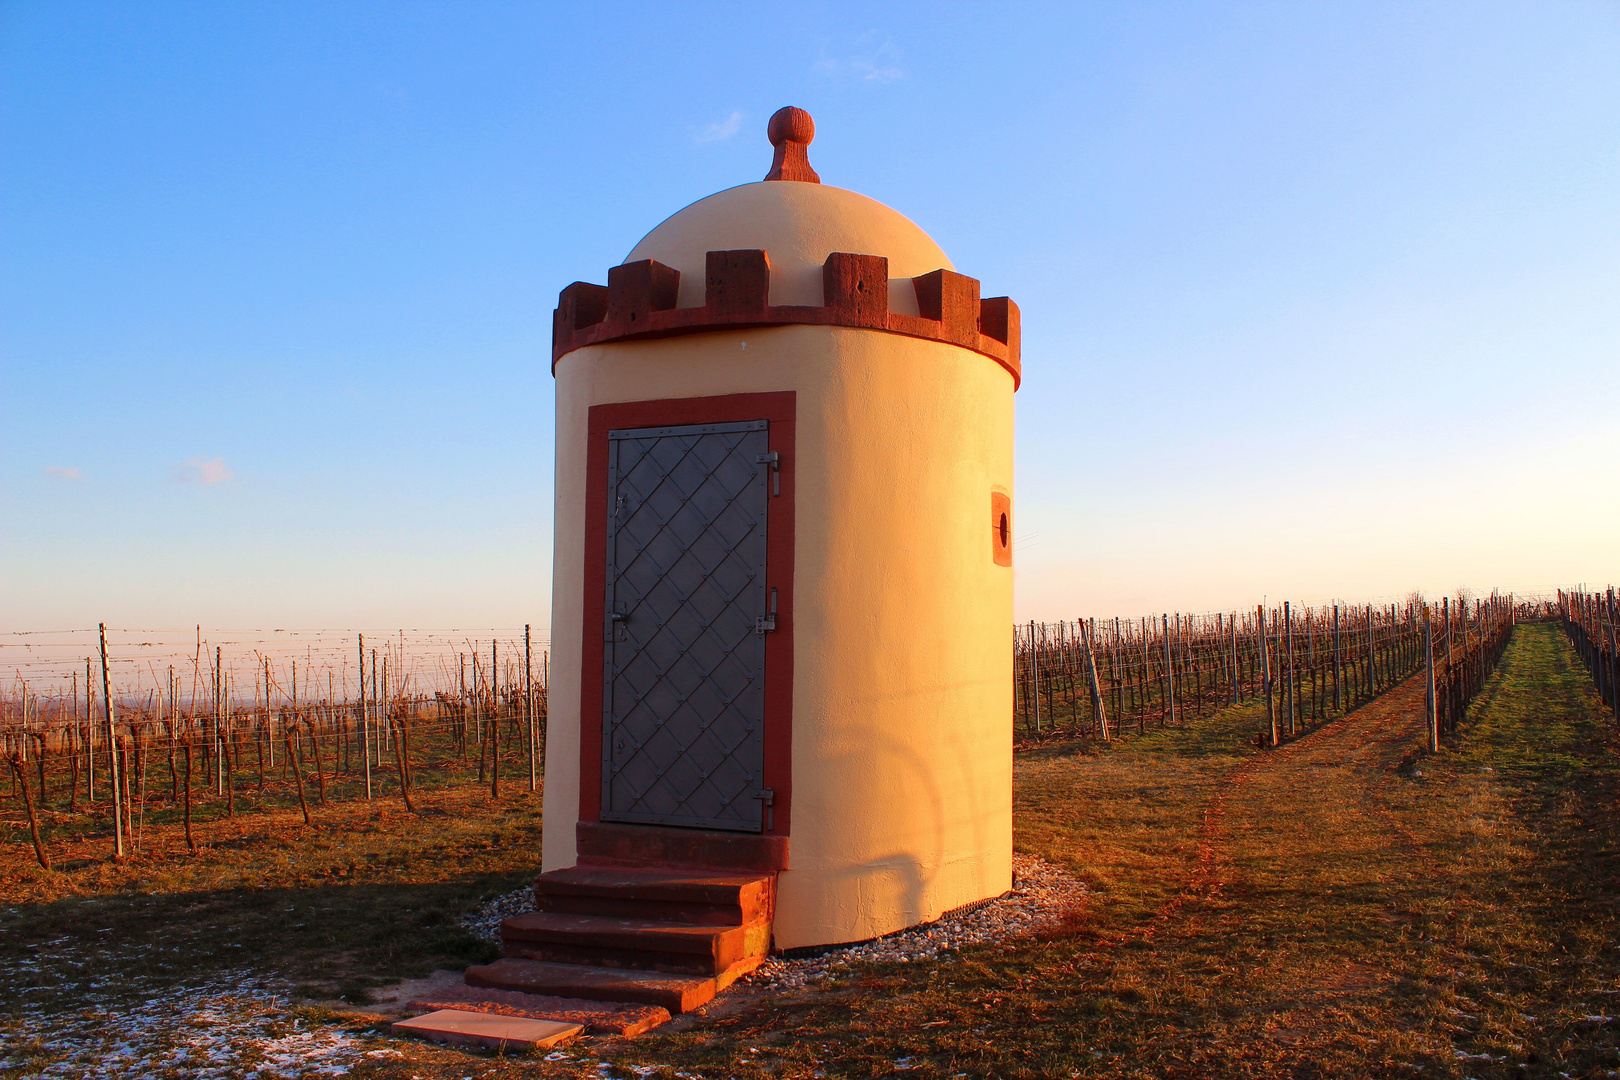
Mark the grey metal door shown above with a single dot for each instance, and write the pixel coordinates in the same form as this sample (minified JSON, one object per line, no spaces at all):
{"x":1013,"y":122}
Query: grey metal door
{"x":683,"y":703}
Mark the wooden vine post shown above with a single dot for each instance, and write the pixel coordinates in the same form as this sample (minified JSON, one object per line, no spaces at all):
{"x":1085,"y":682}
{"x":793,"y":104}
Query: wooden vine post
{"x":528,"y":703}
{"x":365,"y":717}
{"x":1232,"y":634}
{"x":227,"y":759}
{"x":1089,"y":630}
{"x":89,"y":735}
{"x":1169,"y":675}
{"x":1273,"y":732}
{"x":1372,"y":673}
{"x":112,"y":752}
{"x":1290,"y":706}
{"x":494,"y":720}
{"x":1428,"y":669}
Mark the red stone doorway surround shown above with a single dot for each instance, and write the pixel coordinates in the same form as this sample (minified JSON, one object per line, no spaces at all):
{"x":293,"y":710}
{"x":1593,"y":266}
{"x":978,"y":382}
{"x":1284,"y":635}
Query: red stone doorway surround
{"x":779,"y":409}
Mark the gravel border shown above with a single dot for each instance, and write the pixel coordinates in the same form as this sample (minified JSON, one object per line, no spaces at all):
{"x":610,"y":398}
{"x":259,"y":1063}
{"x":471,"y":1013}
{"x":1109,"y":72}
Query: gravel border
{"x":1041,"y":893}
{"x":484,"y":921}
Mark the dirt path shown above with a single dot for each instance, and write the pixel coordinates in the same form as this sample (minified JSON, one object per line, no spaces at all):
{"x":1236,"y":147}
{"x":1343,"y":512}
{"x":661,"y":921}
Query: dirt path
{"x":1341,"y":769}
{"x":1304,"y":846}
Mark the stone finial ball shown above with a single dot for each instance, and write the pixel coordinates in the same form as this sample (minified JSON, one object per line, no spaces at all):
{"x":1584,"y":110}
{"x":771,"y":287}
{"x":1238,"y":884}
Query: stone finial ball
{"x":790,"y":124}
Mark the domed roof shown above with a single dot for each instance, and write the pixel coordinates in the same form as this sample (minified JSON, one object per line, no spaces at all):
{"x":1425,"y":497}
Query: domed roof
{"x":797,"y":222}
{"x":787,"y":252}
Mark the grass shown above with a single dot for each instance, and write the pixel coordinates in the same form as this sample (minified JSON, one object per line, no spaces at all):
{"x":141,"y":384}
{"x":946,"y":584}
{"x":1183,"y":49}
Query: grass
{"x":368,"y":896}
{"x":1342,"y":906}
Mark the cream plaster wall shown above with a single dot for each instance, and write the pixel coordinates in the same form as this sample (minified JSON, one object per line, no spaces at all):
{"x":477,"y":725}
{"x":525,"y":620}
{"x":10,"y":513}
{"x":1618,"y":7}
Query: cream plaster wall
{"x":798,"y":225}
{"x":902,"y":745}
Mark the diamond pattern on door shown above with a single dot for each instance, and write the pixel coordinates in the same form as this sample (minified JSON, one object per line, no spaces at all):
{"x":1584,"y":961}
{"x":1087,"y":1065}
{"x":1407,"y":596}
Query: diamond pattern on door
{"x":683,"y":683}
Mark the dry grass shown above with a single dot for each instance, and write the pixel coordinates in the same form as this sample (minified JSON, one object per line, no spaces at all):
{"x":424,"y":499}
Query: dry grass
{"x":369,"y":895}
{"x":1342,"y":906}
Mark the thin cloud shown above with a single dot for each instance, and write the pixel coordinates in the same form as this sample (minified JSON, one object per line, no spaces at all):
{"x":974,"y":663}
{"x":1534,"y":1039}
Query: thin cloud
{"x":871,"y":60}
{"x":206,"y":471}
{"x":64,"y":472}
{"x":874,"y":72}
{"x":722,"y":129}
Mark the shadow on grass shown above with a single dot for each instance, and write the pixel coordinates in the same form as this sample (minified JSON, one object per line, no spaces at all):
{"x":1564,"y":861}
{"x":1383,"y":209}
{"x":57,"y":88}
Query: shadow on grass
{"x":334,"y":941}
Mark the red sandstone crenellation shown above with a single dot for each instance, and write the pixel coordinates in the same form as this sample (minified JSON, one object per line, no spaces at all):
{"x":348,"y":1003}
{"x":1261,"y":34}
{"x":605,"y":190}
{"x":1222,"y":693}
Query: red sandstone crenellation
{"x":639,"y":302}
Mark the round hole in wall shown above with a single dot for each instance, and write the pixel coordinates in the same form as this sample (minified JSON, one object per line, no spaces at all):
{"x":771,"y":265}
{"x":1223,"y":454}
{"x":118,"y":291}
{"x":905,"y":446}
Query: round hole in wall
{"x":1001,"y":527}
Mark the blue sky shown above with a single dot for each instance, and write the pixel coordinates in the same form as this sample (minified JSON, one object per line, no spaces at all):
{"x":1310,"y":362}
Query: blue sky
{"x":1319,"y":300}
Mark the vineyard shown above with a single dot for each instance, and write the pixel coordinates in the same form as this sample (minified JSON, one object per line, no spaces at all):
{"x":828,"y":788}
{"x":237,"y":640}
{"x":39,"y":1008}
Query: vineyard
{"x":125,"y":733}
{"x":1592,"y":622}
{"x":1307,"y":665}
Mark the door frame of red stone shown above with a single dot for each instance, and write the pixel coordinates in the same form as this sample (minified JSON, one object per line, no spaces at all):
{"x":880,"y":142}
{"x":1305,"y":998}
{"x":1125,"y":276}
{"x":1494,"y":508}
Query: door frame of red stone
{"x":779,"y":409}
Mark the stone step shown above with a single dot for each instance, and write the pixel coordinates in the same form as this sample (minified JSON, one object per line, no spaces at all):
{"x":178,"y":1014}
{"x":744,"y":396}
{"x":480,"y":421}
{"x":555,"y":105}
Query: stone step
{"x":599,"y":1017}
{"x":677,"y":993}
{"x":603,"y":843}
{"x":611,"y":941}
{"x":670,"y":894}
{"x":488,"y":1029}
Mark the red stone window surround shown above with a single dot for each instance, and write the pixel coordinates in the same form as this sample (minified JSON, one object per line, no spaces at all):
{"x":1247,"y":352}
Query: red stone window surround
{"x":639,"y":302}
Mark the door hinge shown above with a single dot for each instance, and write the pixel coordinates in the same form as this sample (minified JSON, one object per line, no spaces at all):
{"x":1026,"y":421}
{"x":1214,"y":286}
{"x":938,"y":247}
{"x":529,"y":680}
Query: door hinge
{"x":763,"y":623}
{"x":771,"y":458}
{"x":768,"y":797}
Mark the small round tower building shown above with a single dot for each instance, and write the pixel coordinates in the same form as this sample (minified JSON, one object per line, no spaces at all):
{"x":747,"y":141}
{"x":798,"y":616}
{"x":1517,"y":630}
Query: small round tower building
{"x":782,"y":587}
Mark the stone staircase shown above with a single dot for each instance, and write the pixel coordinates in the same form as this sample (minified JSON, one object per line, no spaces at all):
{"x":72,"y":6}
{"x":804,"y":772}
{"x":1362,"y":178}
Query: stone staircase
{"x":649,"y":916}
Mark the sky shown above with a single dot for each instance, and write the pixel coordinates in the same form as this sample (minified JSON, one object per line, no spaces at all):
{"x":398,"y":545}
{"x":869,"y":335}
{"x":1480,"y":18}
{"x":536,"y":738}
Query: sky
{"x":1319,"y":300}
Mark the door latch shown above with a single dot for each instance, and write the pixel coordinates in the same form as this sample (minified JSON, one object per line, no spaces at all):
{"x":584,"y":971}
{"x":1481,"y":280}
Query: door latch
{"x":763,"y":623}
{"x":771,"y":458}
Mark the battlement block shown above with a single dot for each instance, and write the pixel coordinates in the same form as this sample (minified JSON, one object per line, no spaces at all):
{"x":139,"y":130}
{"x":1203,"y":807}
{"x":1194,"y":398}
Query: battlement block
{"x":635,"y":290}
{"x":582,"y":304}
{"x":737,"y":283}
{"x":952,"y":300}
{"x":855,"y":289}
{"x":999,"y":319}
